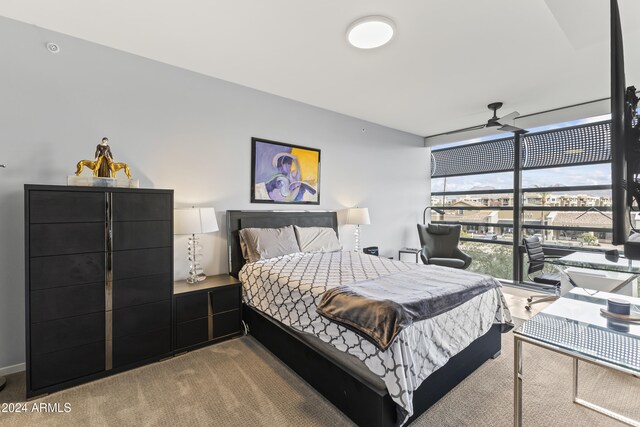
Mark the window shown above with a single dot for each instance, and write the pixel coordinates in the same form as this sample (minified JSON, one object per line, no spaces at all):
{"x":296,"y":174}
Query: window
{"x":483,"y":205}
{"x":565,"y":193}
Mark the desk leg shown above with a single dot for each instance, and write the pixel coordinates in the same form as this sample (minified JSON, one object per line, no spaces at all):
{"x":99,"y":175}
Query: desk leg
{"x":594,"y":407}
{"x":575,"y":379}
{"x":517,"y":382}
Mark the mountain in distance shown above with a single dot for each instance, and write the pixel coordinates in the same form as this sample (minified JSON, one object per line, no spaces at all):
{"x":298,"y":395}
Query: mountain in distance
{"x":595,"y":193}
{"x":482,"y":188}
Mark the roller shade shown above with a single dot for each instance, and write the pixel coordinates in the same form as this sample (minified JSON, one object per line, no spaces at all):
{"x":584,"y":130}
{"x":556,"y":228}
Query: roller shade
{"x":572,"y":146}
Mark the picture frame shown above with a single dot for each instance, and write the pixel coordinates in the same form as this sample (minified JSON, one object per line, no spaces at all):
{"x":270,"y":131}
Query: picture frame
{"x":284,"y":173}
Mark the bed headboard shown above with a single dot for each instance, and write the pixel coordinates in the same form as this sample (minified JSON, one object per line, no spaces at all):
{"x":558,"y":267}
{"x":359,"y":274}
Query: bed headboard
{"x":237,"y":220}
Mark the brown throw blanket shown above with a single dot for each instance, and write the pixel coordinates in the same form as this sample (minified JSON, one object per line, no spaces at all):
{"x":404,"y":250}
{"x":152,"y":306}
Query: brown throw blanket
{"x":380,"y":309}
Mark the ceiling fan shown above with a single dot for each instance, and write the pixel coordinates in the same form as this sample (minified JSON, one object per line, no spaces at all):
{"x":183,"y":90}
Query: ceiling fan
{"x":495,"y":122}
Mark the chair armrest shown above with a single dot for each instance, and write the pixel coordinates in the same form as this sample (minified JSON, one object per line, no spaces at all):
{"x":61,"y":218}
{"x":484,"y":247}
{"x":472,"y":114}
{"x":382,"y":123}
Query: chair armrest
{"x":457,"y":253}
{"x":548,"y":259}
{"x":424,"y":255}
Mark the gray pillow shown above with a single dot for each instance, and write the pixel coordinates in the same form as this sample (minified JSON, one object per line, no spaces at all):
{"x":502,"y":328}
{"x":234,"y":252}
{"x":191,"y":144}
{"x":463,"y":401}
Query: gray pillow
{"x":263,"y":243}
{"x":317,"y":239}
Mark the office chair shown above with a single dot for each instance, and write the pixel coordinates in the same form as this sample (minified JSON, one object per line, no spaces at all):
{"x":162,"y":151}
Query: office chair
{"x":440,"y":246}
{"x":537,"y":259}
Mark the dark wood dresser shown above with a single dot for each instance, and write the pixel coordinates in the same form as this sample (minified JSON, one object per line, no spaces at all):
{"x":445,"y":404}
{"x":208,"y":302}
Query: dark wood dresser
{"x":99,"y":278}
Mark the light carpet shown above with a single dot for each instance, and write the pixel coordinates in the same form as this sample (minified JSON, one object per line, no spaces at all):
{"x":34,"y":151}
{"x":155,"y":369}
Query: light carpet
{"x":240,"y":383}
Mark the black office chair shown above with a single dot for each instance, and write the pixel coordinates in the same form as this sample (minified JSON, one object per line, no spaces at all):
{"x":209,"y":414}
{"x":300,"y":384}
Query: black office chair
{"x":537,"y":259}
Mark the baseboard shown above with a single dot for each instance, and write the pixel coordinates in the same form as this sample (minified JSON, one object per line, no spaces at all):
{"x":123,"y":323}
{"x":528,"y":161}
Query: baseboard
{"x":12,"y":369}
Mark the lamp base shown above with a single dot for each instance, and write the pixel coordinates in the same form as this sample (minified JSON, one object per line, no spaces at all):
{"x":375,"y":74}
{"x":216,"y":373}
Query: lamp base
{"x":3,"y":383}
{"x":195,"y":270}
{"x":196,"y":279}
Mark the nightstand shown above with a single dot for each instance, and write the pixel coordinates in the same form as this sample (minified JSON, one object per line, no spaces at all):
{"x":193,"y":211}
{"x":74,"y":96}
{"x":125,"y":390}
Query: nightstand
{"x":413,"y":251}
{"x":206,"y":312}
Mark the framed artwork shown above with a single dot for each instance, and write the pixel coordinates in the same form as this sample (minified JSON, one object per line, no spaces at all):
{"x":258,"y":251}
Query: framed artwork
{"x":284,"y":173}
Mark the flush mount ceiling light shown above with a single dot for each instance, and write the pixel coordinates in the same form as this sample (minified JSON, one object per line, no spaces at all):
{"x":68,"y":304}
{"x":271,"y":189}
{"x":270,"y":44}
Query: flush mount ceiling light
{"x":370,"y":32}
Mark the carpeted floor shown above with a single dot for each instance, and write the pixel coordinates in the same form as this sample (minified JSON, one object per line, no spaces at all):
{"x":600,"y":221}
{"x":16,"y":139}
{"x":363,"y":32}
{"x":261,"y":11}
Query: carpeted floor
{"x":239,"y":383}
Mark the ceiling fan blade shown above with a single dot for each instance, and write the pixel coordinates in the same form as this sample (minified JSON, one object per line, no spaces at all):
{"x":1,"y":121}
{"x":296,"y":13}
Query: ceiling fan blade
{"x":509,"y":128}
{"x":493,"y":123}
{"x":464,"y":130}
{"x":470,"y":135}
{"x":509,"y":117}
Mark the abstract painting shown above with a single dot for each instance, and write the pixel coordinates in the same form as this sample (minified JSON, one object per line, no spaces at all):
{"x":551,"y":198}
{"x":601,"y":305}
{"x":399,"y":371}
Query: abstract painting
{"x":284,"y":173}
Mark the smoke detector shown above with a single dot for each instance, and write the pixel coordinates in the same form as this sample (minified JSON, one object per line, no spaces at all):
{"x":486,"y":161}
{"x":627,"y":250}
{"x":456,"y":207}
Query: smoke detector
{"x":53,"y":47}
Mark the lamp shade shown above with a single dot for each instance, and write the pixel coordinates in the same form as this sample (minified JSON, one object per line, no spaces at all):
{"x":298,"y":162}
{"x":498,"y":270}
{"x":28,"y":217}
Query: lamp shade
{"x":358,"y":216}
{"x":194,"y":221}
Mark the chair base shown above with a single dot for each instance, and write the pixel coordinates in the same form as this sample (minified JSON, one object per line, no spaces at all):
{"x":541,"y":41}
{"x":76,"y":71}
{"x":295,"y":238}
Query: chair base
{"x":535,"y":299}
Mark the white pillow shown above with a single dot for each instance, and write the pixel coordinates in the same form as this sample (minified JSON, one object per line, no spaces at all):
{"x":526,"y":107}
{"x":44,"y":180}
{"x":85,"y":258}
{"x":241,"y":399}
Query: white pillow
{"x":317,"y":239}
{"x":263,"y":243}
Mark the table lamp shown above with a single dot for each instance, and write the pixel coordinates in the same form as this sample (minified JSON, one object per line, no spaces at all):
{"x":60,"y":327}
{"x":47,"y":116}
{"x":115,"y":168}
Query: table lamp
{"x":194,"y":221}
{"x":357,"y":217}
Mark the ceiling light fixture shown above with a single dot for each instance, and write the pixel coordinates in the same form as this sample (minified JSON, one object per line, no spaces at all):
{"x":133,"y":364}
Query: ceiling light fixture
{"x":370,"y":32}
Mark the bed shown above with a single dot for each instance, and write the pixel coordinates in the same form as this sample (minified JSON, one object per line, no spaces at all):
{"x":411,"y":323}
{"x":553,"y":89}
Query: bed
{"x":371,"y":386}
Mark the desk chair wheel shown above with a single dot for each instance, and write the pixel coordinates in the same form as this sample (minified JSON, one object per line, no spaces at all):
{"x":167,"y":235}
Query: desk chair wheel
{"x":527,"y":307}
{"x":530,"y":299}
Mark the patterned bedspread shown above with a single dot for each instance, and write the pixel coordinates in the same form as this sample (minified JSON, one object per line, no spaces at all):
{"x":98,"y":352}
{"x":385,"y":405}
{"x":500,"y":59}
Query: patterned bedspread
{"x":290,"y":287}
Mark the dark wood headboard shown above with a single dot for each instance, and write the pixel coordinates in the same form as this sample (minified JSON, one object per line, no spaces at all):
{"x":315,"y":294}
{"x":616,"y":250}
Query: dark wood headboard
{"x":237,"y":220}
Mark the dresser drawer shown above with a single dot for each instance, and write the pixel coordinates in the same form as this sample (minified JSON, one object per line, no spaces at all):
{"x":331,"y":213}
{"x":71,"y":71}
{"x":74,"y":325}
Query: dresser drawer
{"x":141,"y":318}
{"x":226,"y":299}
{"x":62,"y":239}
{"x":65,"y":365}
{"x":226,"y":323}
{"x":137,"y":347}
{"x":66,"y":270}
{"x":68,"y":301}
{"x":66,"y":206}
{"x":197,"y":331}
{"x":192,"y":306}
{"x":142,"y":235}
{"x":142,"y":262}
{"x":133,"y":206}
{"x":192,"y":332}
{"x":54,"y":335}
{"x":141,"y":290}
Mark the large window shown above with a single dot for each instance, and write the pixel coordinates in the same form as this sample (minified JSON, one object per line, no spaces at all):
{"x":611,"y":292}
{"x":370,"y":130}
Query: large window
{"x":562,"y":186}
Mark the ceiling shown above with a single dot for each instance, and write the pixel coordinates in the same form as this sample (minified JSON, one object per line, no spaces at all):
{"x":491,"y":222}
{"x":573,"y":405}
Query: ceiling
{"x":448,"y":59}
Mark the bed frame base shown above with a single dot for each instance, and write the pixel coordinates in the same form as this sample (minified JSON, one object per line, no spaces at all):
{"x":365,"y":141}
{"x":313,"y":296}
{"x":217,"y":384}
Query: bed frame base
{"x":357,"y":400}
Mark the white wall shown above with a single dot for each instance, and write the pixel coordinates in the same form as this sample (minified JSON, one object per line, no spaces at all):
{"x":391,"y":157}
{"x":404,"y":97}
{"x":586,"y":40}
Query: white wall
{"x":179,"y":130}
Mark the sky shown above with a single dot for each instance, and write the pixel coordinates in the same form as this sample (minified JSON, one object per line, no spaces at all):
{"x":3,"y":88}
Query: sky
{"x":566,"y":176}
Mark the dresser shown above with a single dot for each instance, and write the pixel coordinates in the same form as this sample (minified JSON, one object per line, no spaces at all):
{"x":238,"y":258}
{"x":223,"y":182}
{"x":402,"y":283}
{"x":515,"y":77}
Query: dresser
{"x":99,"y":276}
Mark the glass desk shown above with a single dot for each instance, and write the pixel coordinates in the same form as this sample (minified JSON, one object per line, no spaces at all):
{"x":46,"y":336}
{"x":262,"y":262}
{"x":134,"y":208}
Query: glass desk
{"x":574,"y":326}
{"x":598,"y":261}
